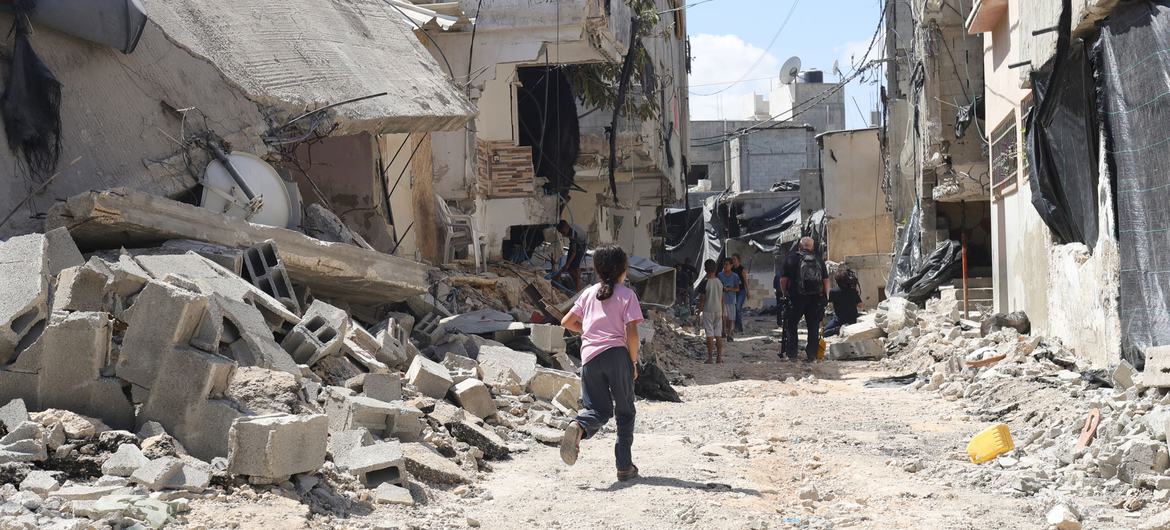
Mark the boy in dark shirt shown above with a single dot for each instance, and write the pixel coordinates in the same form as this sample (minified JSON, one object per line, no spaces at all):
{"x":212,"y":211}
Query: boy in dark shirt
{"x":847,"y":304}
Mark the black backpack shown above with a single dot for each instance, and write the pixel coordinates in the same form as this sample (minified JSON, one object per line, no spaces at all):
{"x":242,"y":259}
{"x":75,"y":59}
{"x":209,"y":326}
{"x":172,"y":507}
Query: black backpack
{"x":811,"y":277}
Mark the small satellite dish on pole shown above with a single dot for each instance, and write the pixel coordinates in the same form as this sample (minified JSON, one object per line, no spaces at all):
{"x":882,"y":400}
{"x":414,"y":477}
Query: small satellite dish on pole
{"x":790,"y":70}
{"x":837,"y":69}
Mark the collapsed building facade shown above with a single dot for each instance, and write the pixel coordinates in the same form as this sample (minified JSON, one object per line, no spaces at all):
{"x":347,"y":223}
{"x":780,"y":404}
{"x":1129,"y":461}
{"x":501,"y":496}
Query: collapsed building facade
{"x":545,"y":78}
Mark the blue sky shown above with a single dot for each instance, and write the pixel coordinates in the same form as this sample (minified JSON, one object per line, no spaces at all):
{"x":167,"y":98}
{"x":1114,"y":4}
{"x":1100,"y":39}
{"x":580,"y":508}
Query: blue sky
{"x":728,"y":37}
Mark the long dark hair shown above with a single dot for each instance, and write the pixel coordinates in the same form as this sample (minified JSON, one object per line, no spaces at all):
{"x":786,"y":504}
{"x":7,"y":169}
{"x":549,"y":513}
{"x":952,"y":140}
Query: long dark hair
{"x":609,"y":262}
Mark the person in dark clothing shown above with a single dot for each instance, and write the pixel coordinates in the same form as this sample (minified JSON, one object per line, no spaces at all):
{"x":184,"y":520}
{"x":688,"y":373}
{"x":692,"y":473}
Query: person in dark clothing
{"x":847,"y":304}
{"x":804,"y":281}
{"x":741,"y":296}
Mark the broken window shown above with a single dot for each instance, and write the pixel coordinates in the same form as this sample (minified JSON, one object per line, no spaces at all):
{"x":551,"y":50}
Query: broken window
{"x":698,"y":172}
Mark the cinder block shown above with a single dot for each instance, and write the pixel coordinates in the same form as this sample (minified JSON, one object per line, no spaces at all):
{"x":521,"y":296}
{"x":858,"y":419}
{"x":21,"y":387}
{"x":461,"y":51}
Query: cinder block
{"x":568,"y":400}
{"x":183,"y":399}
{"x":562,"y":361}
{"x":445,"y":413}
{"x":383,"y":387}
{"x":379,"y":463}
{"x":498,"y":362}
{"x":342,"y":442}
{"x":394,"y":347}
{"x":493,"y":446}
{"x":264,"y":268}
{"x":60,"y":251}
{"x":80,"y":289}
{"x":475,"y":398}
{"x":163,"y":316}
{"x":847,"y":351}
{"x":24,"y":286}
{"x":428,"y":330}
{"x":255,"y":345}
{"x":547,"y":382}
{"x":549,"y":338}
{"x":348,"y":411}
{"x":277,"y":445}
{"x":429,"y":466}
{"x":405,"y":422}
{"x":429,"y":378}
{"x":392,"y":494}
{"x":156,"y":474}
{"x":319,"y":334}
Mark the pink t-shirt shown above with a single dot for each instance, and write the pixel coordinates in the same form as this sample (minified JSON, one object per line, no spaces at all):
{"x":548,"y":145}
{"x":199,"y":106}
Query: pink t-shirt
{"x":603,"y":322}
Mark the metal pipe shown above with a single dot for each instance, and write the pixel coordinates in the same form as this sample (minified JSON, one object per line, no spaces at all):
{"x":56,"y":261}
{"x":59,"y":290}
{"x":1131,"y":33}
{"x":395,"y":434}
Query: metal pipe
{"x":1013,"y":66}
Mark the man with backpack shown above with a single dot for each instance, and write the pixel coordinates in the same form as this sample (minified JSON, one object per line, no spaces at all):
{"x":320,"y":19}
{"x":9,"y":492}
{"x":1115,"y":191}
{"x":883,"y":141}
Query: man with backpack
{"x":804,"y":281}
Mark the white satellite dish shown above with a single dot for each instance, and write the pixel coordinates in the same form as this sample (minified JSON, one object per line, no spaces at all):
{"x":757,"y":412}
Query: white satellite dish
{"x":275,"y":205}
{"x":790,"y":70}
{"x":837,"y":68}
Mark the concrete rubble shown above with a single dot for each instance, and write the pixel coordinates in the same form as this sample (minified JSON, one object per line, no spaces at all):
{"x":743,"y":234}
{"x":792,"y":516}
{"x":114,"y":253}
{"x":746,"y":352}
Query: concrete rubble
{"x":207,"y":347}
{"x":1045,"y":393}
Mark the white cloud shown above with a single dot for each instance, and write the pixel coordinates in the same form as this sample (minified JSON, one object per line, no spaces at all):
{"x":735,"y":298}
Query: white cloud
{"x":724,"y":59}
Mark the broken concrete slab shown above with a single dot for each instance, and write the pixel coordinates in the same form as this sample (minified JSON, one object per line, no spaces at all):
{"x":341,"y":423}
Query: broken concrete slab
{"x":24,"y":290}
{"x":1123,"y":375}
{"x":475,"y":398}
{"x":500,"y":363}
{"x":342,"y":442}
{"x":548,"y":337}
{"x":861,"y":331}
{"x":546,"y":383}
{"x":493,"y":447}
{"x":117,"y":217}
{"x":405,"y":422}
{"x":857,"y":350}
{"x":187,"y":399}
{"x":481,"y":321}
{"x":263,"y":268}
{"x":255,"y":345}
{"x":429,"y":377}
{"x":429,"y":466}
{"x":568,"y":400}
{"x":190,"y":478}
{"x":61,"y":252}
{"x":456,"y":362}
{"x":87,"y":493}
{"x":277,"y":445}
{"x":77,"y":427}
{"x":562,"y":361}
{"x":163,"y":316}
{"x":392,"y":494}
{"x":383,"y":387}
{"x":125,"y":461}
{"x":445,"y":413}
{"x":378,"y":463}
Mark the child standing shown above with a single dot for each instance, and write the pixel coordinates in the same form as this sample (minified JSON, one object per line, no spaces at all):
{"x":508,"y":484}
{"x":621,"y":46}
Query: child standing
{"x":606,"y":315}
{"x":711,"y":300}
{"x":731,"y":286}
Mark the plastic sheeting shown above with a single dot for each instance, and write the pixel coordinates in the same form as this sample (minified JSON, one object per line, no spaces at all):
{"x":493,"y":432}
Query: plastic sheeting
{"x":907,"y":254}
{"x":943,"y":264}
{"x":1134,"y":68}
{"x":1062,"y":141}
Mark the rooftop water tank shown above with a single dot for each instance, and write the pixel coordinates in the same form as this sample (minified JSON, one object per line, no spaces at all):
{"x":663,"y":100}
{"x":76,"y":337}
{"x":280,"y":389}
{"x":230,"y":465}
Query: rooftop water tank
{"x":812,"y":76}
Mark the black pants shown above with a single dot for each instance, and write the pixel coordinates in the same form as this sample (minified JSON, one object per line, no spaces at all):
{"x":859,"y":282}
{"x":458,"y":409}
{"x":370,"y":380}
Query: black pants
{"x":812,"y":310}
{"x":607,"y":390}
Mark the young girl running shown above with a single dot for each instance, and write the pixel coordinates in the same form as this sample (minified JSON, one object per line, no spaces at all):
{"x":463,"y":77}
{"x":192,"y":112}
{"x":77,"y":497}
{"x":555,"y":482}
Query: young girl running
{"x":606,"y":315}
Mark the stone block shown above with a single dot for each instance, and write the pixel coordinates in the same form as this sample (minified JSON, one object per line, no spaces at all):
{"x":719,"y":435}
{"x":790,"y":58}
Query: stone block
{"x":852,"y":351}
{"x":125,"y":461}
{"x":24,"y":290}
{"x":347,"y":411}
{"x":40,"y":482}
{"x":427,"y":465}
{"x":500,"y":363}
{"x":547,"y":382}
{"x":263,"y":268}
{"x":445,"y":413}
{"x":12,"y":414}
{"x":568,"y":400}
{"x":80,"y":289}
{"x":156,"y":474}
{"x":1157,"y":369}
{"x":190,"y":478}
{"x":562,"y":361}
{"x":383,"y":387}
{"x":277,"y":445}
{"x":490,"y":443}
{"x":1140,"y":457}
{"x":548,"y":337}
{"x":429,"y":378}
{"x":77,"y":427}
{"x":405,"y":422}
{"x":392,"y":494}
{"x":379,"y":463}
{"x":61,"y":251}
{"x":475,"y":398}
{"x":187,"y":400}
{"x":74,"y":352}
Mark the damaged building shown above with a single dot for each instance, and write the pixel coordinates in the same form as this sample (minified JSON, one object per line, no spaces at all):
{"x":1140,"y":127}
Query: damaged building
{"x":545,"y":77}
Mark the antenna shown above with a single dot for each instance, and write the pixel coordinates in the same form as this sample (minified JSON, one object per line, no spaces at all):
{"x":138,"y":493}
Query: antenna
{"x":790,"y":70}
{"x":837,"y":69}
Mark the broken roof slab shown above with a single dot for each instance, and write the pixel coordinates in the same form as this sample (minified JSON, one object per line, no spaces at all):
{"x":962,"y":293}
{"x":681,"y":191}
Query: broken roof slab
{"x":301,"y":55}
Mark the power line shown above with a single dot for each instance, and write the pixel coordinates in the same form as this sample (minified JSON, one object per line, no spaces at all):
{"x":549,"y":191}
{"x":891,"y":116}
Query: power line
{"x":763,"y":54}
{"x":700,"y":2}
{"x":731,"y":82}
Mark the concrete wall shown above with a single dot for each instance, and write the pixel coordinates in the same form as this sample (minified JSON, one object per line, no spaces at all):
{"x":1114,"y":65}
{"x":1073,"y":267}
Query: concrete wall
{"x":771,"y":153}
{"x":873,"y":271}
{"x":794,"y":103}
{"x":855,"y":202}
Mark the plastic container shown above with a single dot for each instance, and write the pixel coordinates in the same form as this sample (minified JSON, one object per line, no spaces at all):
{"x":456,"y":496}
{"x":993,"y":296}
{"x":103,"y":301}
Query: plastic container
{"x":990,"y":444}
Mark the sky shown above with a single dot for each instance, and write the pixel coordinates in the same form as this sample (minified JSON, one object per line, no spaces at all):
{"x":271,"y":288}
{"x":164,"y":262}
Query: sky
{"x":729,"y":41}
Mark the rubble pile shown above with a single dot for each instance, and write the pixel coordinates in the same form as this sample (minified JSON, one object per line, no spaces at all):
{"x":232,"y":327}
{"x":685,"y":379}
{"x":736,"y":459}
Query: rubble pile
{"x":1077,"y":430}
{"x":133,"y":382}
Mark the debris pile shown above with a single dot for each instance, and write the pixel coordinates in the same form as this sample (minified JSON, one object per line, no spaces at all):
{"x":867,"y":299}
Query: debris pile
{"x":1077,"y":430}
{"x":134,"y":381}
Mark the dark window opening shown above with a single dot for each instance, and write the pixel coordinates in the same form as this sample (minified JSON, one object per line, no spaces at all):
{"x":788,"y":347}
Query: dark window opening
{"x":547,"y":115}
{"x":698,"y":172}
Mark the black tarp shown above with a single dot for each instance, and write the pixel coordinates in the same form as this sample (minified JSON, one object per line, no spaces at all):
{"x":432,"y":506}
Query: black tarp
{"x":1134,"y":68}
{"x":31,"y":105}
{"x":1063,"y":139}
{"x":943,"y":264}
{"x":907,"y":254}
